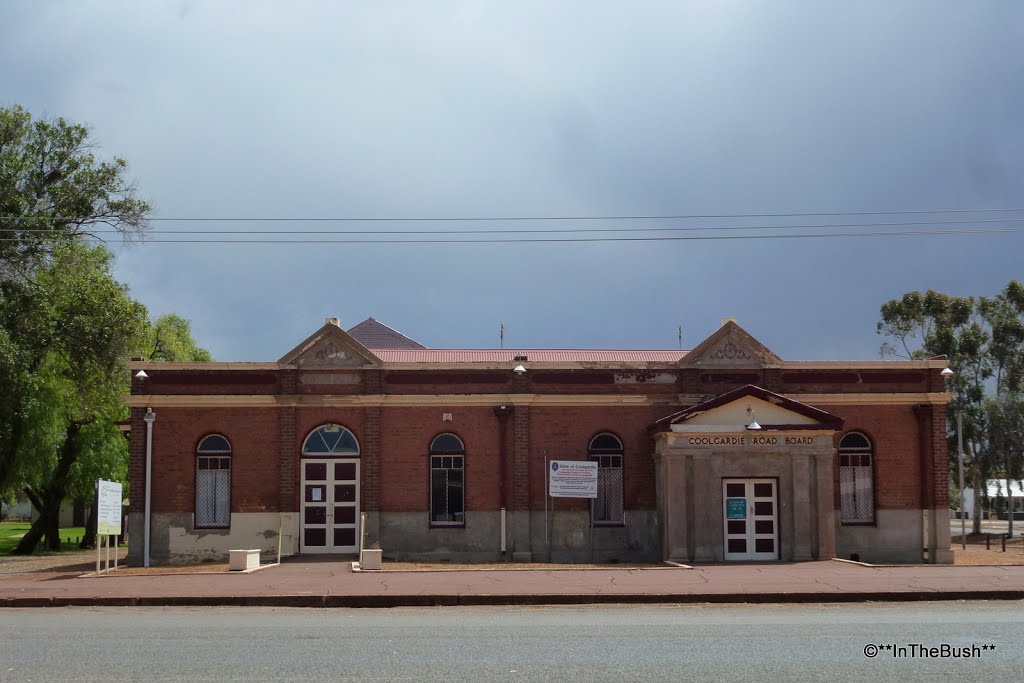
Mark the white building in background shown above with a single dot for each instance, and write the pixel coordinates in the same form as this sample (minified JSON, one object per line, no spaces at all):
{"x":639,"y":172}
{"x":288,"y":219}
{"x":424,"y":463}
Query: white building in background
{"x":995,"y":489}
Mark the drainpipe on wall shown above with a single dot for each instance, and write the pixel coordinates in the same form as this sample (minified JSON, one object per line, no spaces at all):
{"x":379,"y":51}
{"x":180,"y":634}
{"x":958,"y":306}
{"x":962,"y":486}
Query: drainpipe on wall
{"x":502,"y":413}
{"x":150,"y":418}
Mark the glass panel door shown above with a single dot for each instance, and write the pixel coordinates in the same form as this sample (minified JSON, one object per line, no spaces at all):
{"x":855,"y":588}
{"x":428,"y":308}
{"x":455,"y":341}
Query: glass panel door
{"x":750,"y":519}
{"x":330,"y":506}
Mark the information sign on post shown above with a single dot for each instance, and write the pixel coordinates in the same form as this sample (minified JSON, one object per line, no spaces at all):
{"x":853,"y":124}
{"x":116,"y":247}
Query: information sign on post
{"x":108,"y":519}
{"x":572,"y":479}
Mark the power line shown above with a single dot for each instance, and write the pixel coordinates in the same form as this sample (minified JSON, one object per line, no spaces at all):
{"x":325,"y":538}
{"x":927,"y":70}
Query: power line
{"x":540,"y":230}
{"x":516,"y":240}
{"x":458,"y":219}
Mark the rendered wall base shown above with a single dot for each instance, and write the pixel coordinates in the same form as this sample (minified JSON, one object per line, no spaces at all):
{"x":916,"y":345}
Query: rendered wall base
{"x":174,"y":540}
{"x":895,"y":538}
{"x":408,"y":536}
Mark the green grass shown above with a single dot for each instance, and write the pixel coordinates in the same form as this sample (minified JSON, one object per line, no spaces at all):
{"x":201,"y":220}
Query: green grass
{"x":11,"y":533}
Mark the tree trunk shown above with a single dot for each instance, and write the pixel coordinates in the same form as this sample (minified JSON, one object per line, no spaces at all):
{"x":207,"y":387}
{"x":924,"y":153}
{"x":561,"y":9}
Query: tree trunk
{"x":89,"y":538}
{"x":1009,"y":507}
{"x":48,"y":504}
{"x":979,"y":491}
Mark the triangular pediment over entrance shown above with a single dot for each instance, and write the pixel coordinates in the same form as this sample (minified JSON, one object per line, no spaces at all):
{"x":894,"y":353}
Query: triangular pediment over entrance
{"x":730,"y":347}
{"x":330,"y":347}
{"x":736,"y":410}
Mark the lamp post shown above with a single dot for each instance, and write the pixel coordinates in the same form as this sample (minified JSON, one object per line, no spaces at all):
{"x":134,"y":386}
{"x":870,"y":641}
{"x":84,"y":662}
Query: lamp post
{"x":150,"y":418}
{"x":960,"y":458}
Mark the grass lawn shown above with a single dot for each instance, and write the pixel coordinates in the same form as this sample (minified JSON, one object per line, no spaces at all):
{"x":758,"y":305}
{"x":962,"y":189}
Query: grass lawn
{"x":11,"y":533}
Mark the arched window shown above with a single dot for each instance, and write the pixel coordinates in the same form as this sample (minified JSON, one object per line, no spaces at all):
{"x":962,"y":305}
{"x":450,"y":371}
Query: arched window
{"x":330,"y":441}
{"x":606,"y":450}
{"x":447,"y":483}
{"x":856,"y":480}
{"x":213,"y":482}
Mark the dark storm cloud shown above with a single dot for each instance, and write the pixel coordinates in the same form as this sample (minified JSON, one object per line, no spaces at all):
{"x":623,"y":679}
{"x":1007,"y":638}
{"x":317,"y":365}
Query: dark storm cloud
{"x":466,"y":109}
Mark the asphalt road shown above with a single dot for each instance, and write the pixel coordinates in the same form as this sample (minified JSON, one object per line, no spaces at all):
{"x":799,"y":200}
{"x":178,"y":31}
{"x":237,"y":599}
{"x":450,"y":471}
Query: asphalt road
{"x":647,"y":643}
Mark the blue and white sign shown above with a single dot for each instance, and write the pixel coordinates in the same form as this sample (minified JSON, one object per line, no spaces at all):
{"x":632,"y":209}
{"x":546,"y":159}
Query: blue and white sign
{"x":572,"y":479}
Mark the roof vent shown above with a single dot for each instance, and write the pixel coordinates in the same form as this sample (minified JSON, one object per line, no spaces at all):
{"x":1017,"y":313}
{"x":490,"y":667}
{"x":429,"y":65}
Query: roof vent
{"x":332,"y":321}
{"x":520,"y":358}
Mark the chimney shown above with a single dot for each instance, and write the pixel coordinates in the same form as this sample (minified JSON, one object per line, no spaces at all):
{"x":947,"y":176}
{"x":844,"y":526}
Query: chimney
{"x":332,"y":321}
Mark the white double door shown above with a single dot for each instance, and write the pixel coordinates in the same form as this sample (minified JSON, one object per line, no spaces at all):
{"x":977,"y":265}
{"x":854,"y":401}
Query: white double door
{"x":330,"y":505}
{"x":751,"y":519}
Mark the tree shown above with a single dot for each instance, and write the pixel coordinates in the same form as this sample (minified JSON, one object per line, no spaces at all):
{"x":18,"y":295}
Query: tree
{"x":983,"y":340}
{"x":95,"y":328}
{"x":1006,"y":425}
{"x":171,"y":340}
{"x":53,"y":189}
{"x":53,"y":192}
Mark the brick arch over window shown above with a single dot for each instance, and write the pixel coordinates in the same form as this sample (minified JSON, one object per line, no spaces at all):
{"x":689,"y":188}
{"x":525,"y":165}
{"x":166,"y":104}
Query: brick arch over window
{"x":606,"y":449}
{"x":330,"y":441}
{"x":213,"y":482}
{"x":447,"y":481}
{"x":856,"y":479}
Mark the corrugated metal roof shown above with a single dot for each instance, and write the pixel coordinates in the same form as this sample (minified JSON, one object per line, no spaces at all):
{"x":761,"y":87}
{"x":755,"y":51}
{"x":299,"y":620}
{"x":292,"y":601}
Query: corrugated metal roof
{"x":532,"y":355}
{"x":373,"y":334}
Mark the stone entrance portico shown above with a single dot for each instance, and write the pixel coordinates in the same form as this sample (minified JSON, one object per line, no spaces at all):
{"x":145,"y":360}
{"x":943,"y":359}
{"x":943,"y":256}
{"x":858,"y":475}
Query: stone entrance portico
{"x":699,"y":448}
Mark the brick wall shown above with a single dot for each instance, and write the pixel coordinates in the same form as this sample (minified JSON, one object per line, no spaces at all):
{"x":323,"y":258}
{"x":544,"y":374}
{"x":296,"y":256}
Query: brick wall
{"x":893,"y":431}
{"x":255,"y":471}
{"x":395,"y":441}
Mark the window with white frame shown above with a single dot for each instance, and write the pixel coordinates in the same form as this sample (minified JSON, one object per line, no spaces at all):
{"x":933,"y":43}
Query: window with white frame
{"x":447,"y":481}
{"x":213,"y":482}
{"x":856,"y":480}
{"x":606,"y":450}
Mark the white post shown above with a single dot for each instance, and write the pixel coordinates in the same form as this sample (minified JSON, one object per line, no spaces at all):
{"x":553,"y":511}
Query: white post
{"x":502,"y":531}
{"x":362,"y":536}
{"x":963,"y":512}
{"x":150,"y":419}
{"x":547,"y":494}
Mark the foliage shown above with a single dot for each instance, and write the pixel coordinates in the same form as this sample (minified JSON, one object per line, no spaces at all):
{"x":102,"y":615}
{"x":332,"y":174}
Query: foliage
{"x":54,"y":189}
{"x":53,"y":192}
{"x":983,"y":340}
{"x":170,"y":339}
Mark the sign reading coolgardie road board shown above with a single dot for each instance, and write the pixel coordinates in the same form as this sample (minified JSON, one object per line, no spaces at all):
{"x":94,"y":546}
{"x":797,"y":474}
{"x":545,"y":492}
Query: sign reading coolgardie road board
{"x":108,"y":521}
{"x":572,"y":479}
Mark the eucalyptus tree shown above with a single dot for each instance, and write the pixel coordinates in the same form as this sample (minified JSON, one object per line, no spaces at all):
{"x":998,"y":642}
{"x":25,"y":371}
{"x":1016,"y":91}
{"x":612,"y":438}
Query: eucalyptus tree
{"x":983,"y":339}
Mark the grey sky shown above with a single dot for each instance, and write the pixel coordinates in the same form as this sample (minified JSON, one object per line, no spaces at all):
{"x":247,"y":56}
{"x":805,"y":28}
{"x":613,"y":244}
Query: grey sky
{"x":309,"y":109}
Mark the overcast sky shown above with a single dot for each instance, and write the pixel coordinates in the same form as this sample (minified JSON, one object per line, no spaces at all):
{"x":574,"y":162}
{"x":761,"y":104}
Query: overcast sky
{"x":458,"y":109}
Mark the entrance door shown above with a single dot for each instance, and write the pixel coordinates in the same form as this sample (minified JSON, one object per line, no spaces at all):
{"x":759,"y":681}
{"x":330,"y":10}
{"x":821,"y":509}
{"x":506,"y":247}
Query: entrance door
{"x":330,"y":506}
{"x":751,"y":519}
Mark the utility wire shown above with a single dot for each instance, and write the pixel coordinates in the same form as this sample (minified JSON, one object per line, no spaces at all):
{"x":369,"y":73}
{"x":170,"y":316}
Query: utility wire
{"x":537,"y":230}
{"x":456,"y":219}
{"x":519,"y":240}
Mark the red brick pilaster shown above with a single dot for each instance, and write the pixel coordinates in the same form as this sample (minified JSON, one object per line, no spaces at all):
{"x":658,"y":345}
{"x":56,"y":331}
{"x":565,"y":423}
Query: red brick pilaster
{"x":521,"y":458}
{"x":287,"y":500}
{"x":370,"y":459}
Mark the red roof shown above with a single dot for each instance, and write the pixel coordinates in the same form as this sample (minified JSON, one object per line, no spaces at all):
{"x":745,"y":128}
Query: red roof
{"x":532,"y":356}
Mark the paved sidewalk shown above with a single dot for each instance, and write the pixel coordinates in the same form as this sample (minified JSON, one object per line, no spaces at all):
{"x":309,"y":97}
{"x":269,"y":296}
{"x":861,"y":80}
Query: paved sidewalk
{"x":332,"y":583}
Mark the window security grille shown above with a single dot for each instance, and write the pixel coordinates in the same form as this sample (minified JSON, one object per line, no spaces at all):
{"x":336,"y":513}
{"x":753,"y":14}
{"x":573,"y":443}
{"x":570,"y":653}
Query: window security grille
{"x":213,"y":491}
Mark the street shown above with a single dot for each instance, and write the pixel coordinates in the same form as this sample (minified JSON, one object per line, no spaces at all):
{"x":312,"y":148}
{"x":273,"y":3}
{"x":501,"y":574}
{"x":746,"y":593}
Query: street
{"x":644,"y":643}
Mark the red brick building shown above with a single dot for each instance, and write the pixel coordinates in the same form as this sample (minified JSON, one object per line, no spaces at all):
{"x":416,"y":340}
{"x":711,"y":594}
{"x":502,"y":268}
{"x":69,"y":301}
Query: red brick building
{"x":725,"y":452}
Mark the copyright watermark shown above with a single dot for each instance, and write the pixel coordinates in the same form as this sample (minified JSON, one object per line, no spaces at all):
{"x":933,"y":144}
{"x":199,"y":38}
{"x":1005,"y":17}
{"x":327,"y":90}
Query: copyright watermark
{"x":921,"y":651}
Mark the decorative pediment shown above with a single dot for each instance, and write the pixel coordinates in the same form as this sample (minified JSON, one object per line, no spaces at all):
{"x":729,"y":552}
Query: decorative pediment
{"x":736,"y":410}
{"x":330,"y":347}
{"x":730,"y":347}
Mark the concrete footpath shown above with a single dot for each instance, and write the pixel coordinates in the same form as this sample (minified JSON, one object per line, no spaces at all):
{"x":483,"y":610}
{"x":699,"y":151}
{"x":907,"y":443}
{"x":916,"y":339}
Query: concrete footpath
{"x":332,"y":583}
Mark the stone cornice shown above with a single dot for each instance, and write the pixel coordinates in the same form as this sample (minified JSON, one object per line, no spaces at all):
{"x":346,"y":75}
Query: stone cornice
{"x":596,"y":400}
